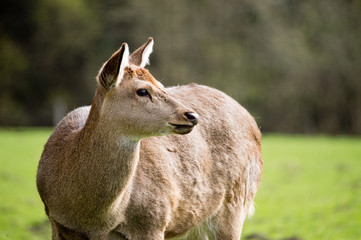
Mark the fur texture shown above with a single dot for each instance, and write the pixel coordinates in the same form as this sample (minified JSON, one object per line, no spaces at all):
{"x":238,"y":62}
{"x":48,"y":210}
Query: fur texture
{"x":124,"y":167}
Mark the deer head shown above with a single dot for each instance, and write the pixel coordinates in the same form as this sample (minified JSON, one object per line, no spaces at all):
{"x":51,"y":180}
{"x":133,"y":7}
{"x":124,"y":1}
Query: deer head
{"x":135,"y":104}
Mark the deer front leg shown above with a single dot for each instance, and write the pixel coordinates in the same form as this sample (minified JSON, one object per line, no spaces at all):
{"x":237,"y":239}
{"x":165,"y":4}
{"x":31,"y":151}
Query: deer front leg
{"x":60,"y":232}
{"x":228,"y":222}
{"x":140,"y":235}
{"x":155,"y":236}
{"x":115,"y":235}
{"x":136,"y":232}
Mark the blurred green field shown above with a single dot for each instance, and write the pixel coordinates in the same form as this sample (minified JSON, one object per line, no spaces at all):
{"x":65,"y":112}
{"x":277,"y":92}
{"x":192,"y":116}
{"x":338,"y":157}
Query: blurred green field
{"x":22,"y":213}
{"x":311,"y":188}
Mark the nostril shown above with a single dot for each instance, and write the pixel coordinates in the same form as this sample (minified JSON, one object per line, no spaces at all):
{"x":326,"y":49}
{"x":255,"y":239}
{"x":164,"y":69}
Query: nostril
{"x":192,"y":117}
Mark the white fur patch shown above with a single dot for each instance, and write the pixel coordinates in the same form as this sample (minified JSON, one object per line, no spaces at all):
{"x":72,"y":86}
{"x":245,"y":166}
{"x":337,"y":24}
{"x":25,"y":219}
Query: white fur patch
{"x":146,"y":53}
{"x":123,"y":64}
{"x":251,"y":210}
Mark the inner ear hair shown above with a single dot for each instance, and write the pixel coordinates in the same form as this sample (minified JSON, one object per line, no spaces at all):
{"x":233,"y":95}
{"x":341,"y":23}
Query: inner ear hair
{"x":111,"y":74}
{"x":140,"y":57}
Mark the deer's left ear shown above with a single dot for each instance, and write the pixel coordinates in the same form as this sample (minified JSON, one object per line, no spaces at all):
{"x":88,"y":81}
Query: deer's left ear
{"x":140,"y":57}
{"x":111,"y":74}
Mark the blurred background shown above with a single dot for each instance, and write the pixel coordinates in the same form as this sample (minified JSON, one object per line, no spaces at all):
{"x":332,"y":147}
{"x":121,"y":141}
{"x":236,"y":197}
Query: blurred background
{"x":294,"y":64}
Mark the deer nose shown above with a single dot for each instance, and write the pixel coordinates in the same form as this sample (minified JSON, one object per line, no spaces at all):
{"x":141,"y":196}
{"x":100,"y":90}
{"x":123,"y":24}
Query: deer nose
{"x":192,"y":117}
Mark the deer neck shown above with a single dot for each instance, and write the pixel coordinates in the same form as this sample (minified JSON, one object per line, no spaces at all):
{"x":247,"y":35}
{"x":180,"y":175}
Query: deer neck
{"x":108,"y":163}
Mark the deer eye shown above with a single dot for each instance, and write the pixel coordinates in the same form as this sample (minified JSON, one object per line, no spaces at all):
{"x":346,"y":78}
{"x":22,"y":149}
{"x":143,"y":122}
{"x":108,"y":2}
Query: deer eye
{"x":142,"y":92}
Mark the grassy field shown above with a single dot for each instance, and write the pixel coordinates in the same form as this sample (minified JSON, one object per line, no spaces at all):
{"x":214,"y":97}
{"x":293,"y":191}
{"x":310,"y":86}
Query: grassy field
{"x":22,"y":213}
{"x":311,"y":188}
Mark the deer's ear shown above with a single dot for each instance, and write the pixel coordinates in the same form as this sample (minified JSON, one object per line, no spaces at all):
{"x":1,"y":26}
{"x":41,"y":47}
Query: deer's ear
{"x":140,"y":57}
{"x":111,"y":74}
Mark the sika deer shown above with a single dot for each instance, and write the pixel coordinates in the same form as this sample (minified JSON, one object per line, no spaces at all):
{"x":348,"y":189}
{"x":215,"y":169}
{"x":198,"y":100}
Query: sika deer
{"x":114,"y":171}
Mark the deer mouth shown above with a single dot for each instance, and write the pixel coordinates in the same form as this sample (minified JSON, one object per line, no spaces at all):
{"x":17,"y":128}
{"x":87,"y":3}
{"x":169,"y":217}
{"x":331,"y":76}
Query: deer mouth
{"x":181,"y":128}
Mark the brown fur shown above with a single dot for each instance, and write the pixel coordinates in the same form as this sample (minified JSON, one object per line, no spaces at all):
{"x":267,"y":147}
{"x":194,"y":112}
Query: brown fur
{"x":112,"y":171}
{"x":144,"y":74}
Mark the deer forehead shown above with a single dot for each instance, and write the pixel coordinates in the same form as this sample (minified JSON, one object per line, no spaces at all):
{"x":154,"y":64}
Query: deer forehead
{"x":144,"y":75}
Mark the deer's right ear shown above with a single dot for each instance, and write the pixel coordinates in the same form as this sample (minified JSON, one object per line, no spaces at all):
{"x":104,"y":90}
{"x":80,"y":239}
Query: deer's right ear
{"x":111,"y":74}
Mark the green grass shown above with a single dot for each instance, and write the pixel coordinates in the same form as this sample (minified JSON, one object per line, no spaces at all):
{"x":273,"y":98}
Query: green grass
{"x":311,"y":188}
{"x":22,"y":213}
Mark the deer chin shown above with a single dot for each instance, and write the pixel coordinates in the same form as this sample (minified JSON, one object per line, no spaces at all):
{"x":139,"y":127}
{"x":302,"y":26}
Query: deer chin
{"x":181,"y":128}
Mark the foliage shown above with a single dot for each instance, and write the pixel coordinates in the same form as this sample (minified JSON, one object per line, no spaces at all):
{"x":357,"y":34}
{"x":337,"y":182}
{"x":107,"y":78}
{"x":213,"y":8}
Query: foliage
{"x":43,"y":58}
{"x":294,"y":64}
{"x":310,"y":188}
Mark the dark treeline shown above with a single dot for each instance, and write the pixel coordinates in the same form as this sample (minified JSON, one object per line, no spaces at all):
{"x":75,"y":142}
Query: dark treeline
{"x":294,"y":64}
